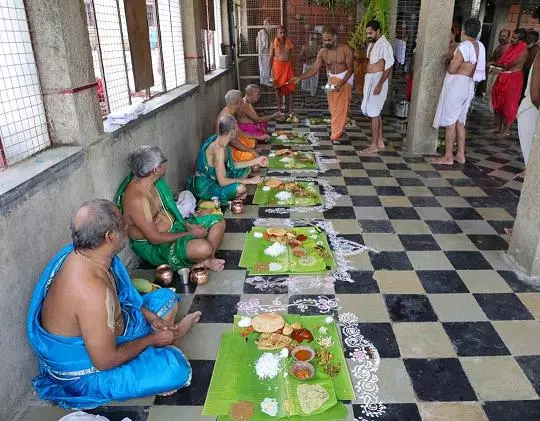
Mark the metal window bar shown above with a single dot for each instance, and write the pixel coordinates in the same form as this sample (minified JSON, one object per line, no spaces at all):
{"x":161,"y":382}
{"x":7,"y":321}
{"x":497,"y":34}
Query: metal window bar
{"x":23,"y":123}
{"x":172,"y":47}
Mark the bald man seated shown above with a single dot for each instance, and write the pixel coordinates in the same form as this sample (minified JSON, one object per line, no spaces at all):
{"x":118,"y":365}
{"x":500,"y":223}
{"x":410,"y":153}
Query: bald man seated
{"x":243,"y":145}
{"x":95,"y":337}
{"x":248,"y":120}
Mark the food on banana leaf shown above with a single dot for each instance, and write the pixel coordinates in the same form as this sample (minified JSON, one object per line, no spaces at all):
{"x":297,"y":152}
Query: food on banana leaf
{"x":311,"y":397}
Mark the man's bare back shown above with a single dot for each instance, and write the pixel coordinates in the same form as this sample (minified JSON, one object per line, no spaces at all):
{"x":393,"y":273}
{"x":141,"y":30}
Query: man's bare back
{"x":336,"y":60}
{"x":61,"y":308}
{"x":242,"y":115}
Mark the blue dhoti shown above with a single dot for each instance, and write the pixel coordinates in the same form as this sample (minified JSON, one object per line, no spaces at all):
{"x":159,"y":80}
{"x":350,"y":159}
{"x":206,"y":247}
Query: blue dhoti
{"x":66,"y":372}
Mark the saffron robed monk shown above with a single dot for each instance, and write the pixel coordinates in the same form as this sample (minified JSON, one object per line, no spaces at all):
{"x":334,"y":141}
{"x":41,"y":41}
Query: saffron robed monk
{"x":157,"y":231}
{"x":339,"y":62}
{"x":95,"y":337}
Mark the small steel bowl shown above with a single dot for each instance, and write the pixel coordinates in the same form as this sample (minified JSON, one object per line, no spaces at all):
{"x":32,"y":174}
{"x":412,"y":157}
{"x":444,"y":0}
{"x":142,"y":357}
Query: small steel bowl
{"x":298,"y":365}
{"x":303,"y":348}
{"x":164,"y":274}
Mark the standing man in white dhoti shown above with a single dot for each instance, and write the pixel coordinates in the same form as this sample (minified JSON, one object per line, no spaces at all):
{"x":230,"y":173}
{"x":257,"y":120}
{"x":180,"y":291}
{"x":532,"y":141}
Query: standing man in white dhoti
{"x":466,"y":68}
{"x":263,"y":51}
{"x":380,"y":61}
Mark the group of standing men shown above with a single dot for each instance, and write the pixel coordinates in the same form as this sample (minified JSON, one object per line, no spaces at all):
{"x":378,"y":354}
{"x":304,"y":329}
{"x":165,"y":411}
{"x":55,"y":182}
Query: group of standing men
{"x":276,"y":64}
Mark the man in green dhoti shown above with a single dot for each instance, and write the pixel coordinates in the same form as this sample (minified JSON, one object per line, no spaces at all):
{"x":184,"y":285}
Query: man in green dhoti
{"x":157,"y":231}
{"x":217,"y":175}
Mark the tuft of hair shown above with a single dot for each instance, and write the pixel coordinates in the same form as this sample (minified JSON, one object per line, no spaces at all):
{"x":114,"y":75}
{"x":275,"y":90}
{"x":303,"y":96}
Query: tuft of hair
{"x":250,"y":88}
{"x":374,"y":24}
{"x":226,"y":124}
{"x":143,"y":160}
{"x":91,"y":222}
{"x":521,"y":33}
{"x":329,"y":29}
{"x":472,"y":27}
{"x":233,"y":96}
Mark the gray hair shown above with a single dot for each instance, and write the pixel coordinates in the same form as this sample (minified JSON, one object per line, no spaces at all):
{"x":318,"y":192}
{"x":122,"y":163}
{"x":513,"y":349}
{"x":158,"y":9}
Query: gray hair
{"x":226,"y":124}
{"x":144,"y":160}
{"x":233,"y":96}
{"x":91,"y":222}
{"x":250,"y":88}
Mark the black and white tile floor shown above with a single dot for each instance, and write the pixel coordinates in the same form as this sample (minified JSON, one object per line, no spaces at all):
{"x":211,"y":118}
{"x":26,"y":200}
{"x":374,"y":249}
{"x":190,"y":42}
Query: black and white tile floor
{"x":458,"y":334}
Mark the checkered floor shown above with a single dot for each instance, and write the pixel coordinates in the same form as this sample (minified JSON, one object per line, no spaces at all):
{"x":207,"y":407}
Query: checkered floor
{"x":457,"y":332}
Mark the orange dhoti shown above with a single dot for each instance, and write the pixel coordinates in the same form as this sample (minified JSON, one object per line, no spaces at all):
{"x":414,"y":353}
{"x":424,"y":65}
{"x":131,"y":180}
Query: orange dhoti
{"x":239,"y":155}
{"x":338,"y":103}
{"x":283,"y":72}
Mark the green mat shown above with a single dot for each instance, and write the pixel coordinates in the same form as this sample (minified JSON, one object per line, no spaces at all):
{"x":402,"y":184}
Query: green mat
{"x":292,"y":162}
{"x":292,"y":138}
{"x":268,"y":197}
{"x":311,"y":263}
{"x":234,"y":378}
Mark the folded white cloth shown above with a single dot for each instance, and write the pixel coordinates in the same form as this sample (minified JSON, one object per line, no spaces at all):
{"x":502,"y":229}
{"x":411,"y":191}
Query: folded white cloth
{"x":126,"y":115}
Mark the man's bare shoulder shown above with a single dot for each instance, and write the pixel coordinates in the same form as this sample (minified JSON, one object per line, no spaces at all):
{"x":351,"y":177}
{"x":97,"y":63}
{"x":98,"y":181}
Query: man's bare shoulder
{"x":345,"y":48}
{"x":76,"y":281}
{"x":132,"y":197}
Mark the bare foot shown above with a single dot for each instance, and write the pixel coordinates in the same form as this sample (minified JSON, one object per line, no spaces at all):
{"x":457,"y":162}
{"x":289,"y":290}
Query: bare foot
{"x":381,"y":146}
{"x":503,"y":134}
{"x":460,"y":159}
{"x":443,"y":161}
{"x":184,"y":325}
{"x":508,"y":231}
{"x":335,"y":141}
{"x":370,"y":149}
{"x":214,"y":264}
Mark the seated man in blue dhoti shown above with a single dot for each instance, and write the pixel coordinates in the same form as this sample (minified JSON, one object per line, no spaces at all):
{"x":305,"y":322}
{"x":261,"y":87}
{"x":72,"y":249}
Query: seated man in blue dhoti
{"x":95,"y":337}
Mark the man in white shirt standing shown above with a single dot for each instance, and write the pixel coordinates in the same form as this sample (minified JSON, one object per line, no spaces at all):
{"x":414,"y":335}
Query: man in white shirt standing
{"x":380,"y":61}
{"x":263,"y":51}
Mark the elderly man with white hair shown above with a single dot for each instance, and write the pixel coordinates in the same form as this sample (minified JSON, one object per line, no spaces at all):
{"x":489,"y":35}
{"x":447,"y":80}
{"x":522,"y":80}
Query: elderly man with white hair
{"x":157,"y":231}
{"x":243,"y":144}
{"x":249,"y":121}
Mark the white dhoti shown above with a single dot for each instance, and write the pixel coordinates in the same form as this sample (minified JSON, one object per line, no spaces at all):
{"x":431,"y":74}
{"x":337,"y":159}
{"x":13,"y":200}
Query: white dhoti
{"x":312,"y":83}
{"x":454,"y":102}
{"x":372,"y":104}
{"x":264,"y":69}
{"x":527,"y":116}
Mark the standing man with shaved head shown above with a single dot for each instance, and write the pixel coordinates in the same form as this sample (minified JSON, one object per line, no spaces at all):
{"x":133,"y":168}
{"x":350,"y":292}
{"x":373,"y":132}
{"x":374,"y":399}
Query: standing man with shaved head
{"x":338,"y":59}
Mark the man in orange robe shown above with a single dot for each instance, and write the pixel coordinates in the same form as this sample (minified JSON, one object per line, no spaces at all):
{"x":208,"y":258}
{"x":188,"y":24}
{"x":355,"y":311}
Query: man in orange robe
{"x":282,"y":62}
{"x":339,"y":62}
{"x":506,"y":91}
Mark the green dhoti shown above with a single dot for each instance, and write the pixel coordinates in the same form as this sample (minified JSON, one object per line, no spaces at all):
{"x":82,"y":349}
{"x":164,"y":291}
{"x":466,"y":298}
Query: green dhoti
{"x":204,"y":185}
{"x":174,"y":254}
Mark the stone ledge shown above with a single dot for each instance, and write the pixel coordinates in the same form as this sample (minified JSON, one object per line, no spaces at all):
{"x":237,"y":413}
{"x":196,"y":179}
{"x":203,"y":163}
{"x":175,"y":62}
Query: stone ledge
{"x":26,"y":176}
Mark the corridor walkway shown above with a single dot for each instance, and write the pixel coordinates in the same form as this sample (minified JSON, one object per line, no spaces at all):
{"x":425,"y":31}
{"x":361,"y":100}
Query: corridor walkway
{"x":456,"y":332}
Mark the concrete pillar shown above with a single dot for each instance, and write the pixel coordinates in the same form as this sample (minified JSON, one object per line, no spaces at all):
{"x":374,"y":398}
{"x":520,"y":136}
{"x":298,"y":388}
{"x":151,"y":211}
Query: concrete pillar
{"x":64,"y":60}
{"x":191,"y":31}
{"x":433,"y":35}
{"x":525,"y":242}
{"x":500,"y":21}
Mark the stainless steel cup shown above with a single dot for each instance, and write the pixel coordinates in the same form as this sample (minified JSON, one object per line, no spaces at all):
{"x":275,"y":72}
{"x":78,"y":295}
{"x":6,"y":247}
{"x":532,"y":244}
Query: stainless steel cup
{"x":184,"y":275}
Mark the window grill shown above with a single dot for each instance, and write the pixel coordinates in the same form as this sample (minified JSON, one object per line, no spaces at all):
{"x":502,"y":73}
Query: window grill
{"x":23,"y":125}
{"x":107,"y":30}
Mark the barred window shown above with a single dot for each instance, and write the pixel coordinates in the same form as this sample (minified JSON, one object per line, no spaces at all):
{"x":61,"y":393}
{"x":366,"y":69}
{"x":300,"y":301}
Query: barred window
{"x":23,"y":126}
{"x":211,"y":35}
{"x":111,"y":55}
